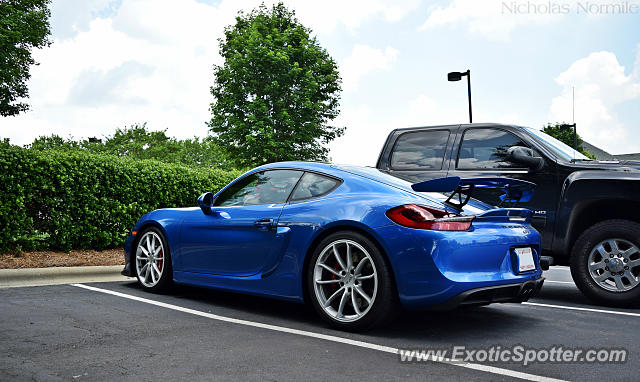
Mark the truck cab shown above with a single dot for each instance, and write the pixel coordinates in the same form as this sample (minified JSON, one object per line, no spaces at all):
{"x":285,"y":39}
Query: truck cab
{"x":577,"y":201}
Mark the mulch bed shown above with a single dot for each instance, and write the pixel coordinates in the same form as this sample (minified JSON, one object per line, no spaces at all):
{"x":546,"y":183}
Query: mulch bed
{"x":43,"y":259}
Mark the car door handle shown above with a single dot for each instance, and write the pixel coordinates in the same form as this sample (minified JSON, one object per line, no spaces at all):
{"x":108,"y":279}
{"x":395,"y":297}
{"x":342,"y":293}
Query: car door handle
{"x":263,"y":223}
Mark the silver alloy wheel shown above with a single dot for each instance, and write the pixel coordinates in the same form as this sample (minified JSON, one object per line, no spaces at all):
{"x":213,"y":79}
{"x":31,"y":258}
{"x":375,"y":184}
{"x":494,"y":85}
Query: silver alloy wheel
{"x":615,"y":265}
{"x":150,"y":259}
{"x":345,"y":280}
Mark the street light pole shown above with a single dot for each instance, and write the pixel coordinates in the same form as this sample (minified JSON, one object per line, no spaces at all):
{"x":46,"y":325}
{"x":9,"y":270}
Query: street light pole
{"x":469,"y":94}
{"x":457,"y":76}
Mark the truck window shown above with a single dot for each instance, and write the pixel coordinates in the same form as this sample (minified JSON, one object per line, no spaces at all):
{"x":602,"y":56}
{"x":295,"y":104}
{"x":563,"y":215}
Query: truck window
{"x":422,"y":150}
{"x":486,"y":149}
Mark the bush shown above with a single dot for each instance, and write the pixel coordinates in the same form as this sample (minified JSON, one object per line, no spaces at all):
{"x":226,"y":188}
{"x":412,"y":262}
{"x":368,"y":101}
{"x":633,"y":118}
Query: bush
{"x":74,"y":200}
{"x":138,"y":142}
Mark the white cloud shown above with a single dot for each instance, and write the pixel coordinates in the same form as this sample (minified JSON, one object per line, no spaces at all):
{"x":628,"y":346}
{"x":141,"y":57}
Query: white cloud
{"x":114,"y":64}
{"x":367,"y":128}
{"x":73,"y":16}
{"x":600,"y":84}
{"x":107,"y":77}
{"x":365,"y":60}
{"x":493,"y":19}
{"x":363,"y":138}
{"x":325,"y":16}
{"x":422,"y":110}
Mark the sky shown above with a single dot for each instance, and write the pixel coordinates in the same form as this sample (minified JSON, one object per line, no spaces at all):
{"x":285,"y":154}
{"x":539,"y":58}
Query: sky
{"x":116,"y":63}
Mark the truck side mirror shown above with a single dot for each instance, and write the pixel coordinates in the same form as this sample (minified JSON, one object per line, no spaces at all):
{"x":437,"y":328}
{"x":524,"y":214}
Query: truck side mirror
{"x":525,"y":156}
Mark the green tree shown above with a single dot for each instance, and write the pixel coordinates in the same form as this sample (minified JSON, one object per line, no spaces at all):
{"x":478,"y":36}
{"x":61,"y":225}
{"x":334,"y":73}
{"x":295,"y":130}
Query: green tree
{"x":24,"y":25}
{"x":53,"y":142}
{"x":138,"y":142}
{"x":565,"y":135}
{"x":276,"y":92}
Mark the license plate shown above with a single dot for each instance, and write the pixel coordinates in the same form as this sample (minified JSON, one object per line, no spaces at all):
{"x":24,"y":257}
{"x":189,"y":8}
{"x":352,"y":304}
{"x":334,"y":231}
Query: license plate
{"x":525,"y":259}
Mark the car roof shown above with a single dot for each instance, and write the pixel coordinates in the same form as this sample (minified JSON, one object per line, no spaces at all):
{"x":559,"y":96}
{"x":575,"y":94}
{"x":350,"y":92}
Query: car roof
{"x":302,"y":165}
{"x":344,"y":172}
{"x":362,"y":173}
{"x":337,"y":170}
{"x":464,"y":125}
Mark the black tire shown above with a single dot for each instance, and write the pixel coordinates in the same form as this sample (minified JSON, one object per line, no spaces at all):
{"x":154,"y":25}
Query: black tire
{"x":607,"y":230}
{"x":384,"y":306}
{"x":164,"y":266}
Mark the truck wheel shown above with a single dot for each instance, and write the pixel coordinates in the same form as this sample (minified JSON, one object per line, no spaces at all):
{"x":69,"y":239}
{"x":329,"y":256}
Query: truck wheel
{"x":605,"y":263}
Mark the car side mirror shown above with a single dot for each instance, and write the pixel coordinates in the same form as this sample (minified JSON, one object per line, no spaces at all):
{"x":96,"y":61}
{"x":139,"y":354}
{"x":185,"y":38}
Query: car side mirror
{"x":526,"y":157}
{"x":205,"y":201}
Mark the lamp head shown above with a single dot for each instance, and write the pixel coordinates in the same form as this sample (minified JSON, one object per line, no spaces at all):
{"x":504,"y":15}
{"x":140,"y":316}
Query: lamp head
{"x":454,"y":76}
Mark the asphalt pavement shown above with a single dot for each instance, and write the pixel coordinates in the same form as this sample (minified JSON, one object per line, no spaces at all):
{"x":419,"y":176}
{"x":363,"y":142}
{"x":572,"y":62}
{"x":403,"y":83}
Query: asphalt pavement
{"x":116,"y":331}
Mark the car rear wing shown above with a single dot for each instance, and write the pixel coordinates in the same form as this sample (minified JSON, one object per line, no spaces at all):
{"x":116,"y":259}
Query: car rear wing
{"x":514,"y":190}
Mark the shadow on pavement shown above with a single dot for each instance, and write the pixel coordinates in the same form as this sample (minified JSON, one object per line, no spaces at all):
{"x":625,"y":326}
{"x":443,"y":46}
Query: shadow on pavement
{"x":563,"y":294}
{"x":434,"y":326}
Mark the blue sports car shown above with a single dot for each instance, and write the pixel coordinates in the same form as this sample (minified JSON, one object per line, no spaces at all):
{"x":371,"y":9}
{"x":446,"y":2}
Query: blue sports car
{"x":354,"y":242}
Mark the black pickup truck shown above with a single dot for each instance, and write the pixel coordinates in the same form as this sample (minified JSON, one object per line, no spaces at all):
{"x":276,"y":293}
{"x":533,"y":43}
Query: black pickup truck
{"x":587,"y":211}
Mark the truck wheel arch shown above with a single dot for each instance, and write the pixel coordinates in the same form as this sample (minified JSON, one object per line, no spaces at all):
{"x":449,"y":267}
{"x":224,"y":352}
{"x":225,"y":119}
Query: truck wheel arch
{"x":588,"y":213}
{"x":589,"y":197}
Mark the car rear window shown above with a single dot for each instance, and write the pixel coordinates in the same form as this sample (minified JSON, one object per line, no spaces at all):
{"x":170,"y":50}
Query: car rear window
{"x":313,"y":185}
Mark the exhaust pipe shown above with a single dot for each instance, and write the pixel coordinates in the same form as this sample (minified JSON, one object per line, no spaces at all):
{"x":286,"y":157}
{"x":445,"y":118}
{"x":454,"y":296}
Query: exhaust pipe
{"x":530,"y":289}
{"x":527,"y":291}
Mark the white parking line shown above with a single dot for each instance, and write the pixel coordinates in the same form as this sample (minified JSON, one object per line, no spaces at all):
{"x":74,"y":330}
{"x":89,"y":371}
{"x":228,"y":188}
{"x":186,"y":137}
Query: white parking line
{"x":582,"y":309}
{"x":559,"y":282}
{"x":326,"y":337}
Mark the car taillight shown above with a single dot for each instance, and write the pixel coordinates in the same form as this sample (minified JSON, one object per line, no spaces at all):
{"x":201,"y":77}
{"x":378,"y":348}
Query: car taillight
{"x":421,"y":217}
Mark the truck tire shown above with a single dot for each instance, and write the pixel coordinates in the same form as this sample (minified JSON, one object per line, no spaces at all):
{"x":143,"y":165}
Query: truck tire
{"x":605,"y":263}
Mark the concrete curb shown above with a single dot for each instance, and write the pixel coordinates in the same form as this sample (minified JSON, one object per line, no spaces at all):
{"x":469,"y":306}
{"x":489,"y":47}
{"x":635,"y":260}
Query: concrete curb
{"x":10,"y":278}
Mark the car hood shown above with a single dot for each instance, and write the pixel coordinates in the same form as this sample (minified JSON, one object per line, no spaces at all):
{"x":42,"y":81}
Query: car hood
{"x":612,"y":165}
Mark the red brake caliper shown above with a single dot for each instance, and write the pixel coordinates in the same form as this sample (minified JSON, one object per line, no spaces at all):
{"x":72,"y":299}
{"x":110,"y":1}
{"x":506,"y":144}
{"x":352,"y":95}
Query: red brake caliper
{"x":334,"y":286}
{"x":160,"y":260}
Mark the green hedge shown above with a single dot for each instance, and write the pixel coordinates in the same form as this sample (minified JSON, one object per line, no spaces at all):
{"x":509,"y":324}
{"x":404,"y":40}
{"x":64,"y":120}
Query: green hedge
{"x":74,"y":200}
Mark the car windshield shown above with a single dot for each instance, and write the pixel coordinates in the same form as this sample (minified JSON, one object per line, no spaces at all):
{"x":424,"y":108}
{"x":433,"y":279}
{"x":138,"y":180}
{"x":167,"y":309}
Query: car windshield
{"x":560,"y":149}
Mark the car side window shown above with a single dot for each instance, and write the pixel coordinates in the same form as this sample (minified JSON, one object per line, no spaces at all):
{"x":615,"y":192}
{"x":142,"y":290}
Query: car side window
{"x":487,"y":149}
{"x":422,"y":150}
{"x":265,"y":187}
{"x":313,"y":185}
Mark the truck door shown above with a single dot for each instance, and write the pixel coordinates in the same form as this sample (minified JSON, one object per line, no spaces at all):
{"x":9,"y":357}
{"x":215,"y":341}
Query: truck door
{"x":482,"y":152}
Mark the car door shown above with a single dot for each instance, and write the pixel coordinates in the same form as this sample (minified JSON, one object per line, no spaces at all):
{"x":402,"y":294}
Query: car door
{"x":482,"y":152}
{"x":239,"y":237}
{"x":420,"y":155}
